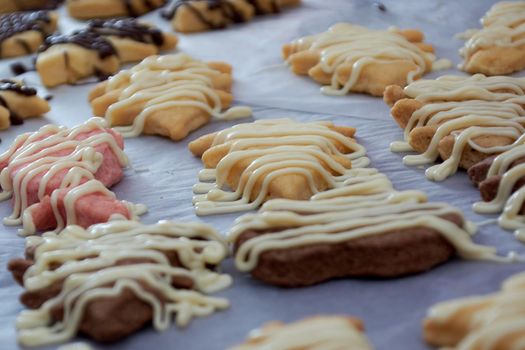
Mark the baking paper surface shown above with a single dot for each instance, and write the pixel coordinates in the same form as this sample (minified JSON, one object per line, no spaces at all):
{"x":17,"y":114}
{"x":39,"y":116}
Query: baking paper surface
{"x":163,"y":173}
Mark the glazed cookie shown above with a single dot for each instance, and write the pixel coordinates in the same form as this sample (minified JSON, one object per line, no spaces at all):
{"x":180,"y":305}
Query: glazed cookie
{"x":111,"y":280}
{"x":169,"y":95}
{"x":200,"y":15}
{"x":87,"y":9}
{"x":277,"y":158}
{"x":319,"y":332}
{"x":7,"y":6}
{"x":18,"y":102}
{"x":58,"y":176}
{"x":498,"y":48}
{"x":364,"y":229}
{"x":351,"y":58}
{"x":98,"y":50}
{"x":492,"y":322}
{"x":23,"y":32}
{"x":461,"y":120}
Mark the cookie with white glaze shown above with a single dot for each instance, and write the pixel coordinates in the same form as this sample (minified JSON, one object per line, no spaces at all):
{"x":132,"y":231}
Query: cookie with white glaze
{"x":188,"y":16}
{"x":109,"y":281}
{"x":490,"y":322}
{"x":498,"y":48}
{"x":324,"y":331}
{"x":351,"y":58}
{"x":251,"y":163}
{"x":462,"y":120}
{"x":19,"y":102}
{"x":99,"y":49}
{"x":22,"y":33}
{"x":88,"y":9}
{"x":169,"y":95}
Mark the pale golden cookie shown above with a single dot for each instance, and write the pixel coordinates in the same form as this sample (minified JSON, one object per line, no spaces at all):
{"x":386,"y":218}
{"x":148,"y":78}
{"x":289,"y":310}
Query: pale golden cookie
{"x":86,"y":9}
{"x":491,"y":322}
{"x":168,"y":95}
{"x":498,"y":48}
{"x":22,"y":33}
{"x":19,"y":102}
{"x":351,"y":58}
{"x":319,"y":332}
{"x":200,"y":15}
{"x":7,"y":6}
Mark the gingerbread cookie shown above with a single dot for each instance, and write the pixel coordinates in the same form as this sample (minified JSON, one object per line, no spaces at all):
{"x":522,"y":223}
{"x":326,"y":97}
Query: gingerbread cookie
{"x":113,"y":279}
{"x":277,"y":158}
{"x":98,"y":50}
{"x":19,"y":102}
{"x":189,"y":16}
{"x":319,"y":332}
{"x":498,"y":48}
{"x":365,"y":228}
{"x":7,"y":6}
{"x":169,"y":95}
{"x":87,"y":9}
{"x":461,"y":120}
{"x":54,"y":174}
{"x":492,"y":322}
{"x":23,"y":32}
{"x":350,"y":58}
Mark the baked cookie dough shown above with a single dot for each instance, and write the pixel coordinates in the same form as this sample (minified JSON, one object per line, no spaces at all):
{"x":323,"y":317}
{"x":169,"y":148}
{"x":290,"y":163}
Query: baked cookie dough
{"x":99,"y":50}
{"x":169,"y":95}
{"x":276,"y":158}
{"x":58,"y":176}
{"x":7,"y":6}
{"x":109,"y":281}
{"x":350,"y":58}
{"x":364,"y":229}
{"x":189,"y":16}
{"x":461,"y":120}
{"x":318,"y":332}
{"x":23,"y":32}
{"x":87,"y":9}
{"x":491,"y":322}
{"x":19,"y":102}
{"x":499,"y":47}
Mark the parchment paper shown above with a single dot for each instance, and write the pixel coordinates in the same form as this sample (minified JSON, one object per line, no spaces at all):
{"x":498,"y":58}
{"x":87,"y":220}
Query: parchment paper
{"x":163,"y":173}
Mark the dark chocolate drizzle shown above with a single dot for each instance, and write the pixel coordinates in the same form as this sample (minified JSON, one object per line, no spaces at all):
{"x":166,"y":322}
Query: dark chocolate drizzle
{"x":45,"y":5}
{"x":19,"y":22}
{"x":380,"y":6}
{"x":85,"y":38}
{"x":127,"y":28}
{"x":16,"y":87}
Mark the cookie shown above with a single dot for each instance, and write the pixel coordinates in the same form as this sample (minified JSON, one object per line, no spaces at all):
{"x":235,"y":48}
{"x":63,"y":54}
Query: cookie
{"x":278,"y":158}
{"x":87,"y":9}
{"x":189,"y":16}
{"x":7,"y":6}
{"x":489,"y":322}
{"x":45,"y":169}
{"x":23,"y":32}
{"x":365,"y":229}
{"x":319,"y":332}
{"x":111,"y":280}
{"x":498,"y":47}
{"x":350,"y":58}
{"x":461,"y":120}
{"x":19,"y":102}
{"x":99,"y":49}
{"x":169,"y":95}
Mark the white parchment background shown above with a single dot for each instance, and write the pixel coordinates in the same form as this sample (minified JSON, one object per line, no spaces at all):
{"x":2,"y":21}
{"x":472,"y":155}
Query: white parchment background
{"x":165,"y":172}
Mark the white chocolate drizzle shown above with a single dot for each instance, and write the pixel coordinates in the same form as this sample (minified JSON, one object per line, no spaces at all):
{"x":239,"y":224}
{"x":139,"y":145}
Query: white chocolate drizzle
{"x":164,"y":82}
{"x":489,"y":322}
{"x":321,"y":332}
{"x":272,"y":149}
{"x":465,"y":108}
{"x":348,"y":44}
{"x":88,"y":269}
{"x":503,"y":26}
